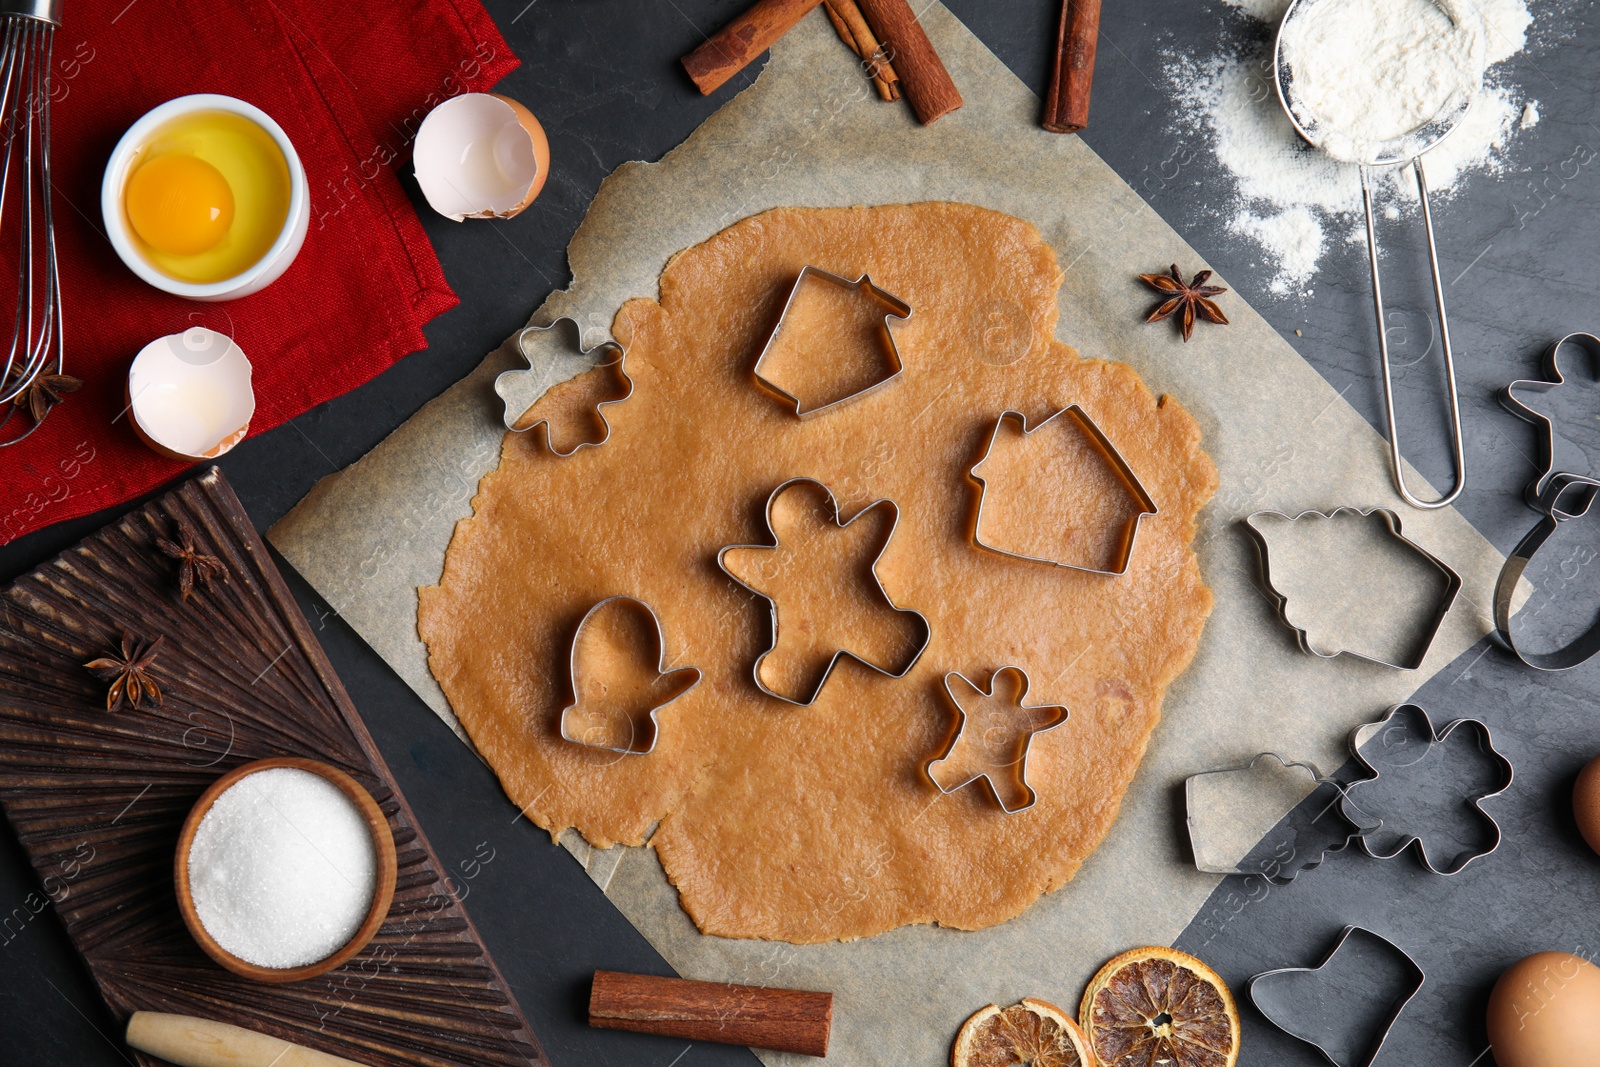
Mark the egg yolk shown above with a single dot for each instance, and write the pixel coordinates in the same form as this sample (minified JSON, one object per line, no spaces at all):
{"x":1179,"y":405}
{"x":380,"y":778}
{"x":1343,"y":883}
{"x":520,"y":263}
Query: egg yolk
{"x":179,"y":205}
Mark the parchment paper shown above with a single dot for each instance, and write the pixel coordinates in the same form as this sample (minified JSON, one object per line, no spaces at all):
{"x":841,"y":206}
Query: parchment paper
{"x":810,"y":132}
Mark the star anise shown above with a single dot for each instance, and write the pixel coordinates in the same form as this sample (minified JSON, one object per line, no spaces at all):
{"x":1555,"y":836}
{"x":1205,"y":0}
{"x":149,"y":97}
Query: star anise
{"x":129,"y":673}
{"x":45,"y":392}
{"x":1192,"y":298}
{"x":193,"y":566}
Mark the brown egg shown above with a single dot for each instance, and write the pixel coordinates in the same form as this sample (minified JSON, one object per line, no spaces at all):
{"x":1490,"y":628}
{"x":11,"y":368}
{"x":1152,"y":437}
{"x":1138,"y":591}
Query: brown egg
{"x":1586,"y":803}
{"x":1545,"y":1012}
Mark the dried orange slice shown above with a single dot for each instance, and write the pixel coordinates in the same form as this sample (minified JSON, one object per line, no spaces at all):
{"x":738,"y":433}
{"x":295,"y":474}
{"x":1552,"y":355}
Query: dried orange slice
{"x":1032,"y":1032}
{"x":1159,"y":1005}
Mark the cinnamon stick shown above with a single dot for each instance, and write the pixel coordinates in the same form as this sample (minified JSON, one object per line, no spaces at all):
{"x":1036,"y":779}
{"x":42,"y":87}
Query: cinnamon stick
{"x":1066,"y":105}
{"x":924,"y":80}
{"x":852,"y":28}
{"x":782,"y":1020}
{"x":731,"y":48}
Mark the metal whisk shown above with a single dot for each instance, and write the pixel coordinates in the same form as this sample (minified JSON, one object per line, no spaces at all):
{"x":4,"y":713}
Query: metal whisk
{"x":35,"y":349}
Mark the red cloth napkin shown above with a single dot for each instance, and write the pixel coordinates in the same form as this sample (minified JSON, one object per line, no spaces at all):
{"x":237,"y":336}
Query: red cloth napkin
{"x":349,"y":85}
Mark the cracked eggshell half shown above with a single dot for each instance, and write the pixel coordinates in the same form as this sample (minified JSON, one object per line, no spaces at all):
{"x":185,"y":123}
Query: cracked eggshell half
{"x":189,"y":394}
{"x":481,"y":156}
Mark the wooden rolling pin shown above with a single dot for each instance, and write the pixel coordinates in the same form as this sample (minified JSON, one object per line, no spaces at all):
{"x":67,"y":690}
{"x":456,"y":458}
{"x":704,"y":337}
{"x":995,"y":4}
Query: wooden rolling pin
{"x":782,"y":1020}
{"x":191,"y":1042}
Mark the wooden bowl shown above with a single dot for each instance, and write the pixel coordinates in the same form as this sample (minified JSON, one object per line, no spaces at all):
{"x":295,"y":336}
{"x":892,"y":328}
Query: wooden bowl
{"x":383,"y":892}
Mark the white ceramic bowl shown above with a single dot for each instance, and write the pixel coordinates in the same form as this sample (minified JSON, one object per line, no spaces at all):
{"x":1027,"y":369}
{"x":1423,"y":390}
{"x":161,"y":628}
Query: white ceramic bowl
{"x":262,"y":272}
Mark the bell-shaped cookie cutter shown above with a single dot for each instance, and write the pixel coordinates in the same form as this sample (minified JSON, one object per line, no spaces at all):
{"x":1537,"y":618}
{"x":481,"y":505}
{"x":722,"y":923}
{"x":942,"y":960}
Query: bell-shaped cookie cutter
{"x":1392,"y":521}
{"x":1021,"y":764}
{"x":1351,"y":807}
{"x":1103,"y":444}
{"x":772,"y":605}
{"x":613,"y":356}
{"x":898,"y":310}
{"x":644,"y":741}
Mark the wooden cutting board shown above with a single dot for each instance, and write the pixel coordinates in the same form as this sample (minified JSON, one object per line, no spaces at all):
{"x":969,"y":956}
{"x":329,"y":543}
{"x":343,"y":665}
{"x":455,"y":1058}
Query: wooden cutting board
{"x":97,"y":797}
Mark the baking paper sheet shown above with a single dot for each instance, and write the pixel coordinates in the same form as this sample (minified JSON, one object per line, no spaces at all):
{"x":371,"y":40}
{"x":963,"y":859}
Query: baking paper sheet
{"x":811,"y":132}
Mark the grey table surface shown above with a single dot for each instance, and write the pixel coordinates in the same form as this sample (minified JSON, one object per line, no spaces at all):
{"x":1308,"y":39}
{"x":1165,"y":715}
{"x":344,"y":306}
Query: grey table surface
{"x":603,"y":78}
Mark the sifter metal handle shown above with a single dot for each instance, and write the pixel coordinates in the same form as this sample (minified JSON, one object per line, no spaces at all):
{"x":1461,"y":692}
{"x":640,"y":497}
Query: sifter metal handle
{"x":1396,"y":462}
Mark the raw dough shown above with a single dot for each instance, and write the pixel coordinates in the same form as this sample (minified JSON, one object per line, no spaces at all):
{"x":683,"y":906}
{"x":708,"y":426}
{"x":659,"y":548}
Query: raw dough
{"x":816,"y":823}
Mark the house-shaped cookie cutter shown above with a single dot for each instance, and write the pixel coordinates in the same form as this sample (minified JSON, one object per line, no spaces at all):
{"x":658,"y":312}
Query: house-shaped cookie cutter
{"x":1076,"y":415}
{"x":895,"y":310}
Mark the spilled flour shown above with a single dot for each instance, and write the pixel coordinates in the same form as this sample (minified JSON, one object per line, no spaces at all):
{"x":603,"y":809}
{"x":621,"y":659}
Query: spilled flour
{"x":1294,"y":201}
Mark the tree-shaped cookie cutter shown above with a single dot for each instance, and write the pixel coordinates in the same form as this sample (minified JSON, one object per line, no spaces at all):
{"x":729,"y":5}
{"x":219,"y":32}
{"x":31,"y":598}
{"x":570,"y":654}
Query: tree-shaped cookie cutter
{"x":1413,"y":716}
{"x":1017,"y":770}
{"x":1392,"y":522}
{"x":897,"y":311}
{"x":772,"y":605}
{"x":1102,"y":444}
{"x":607,"y":353}
{"x":643,"y":742}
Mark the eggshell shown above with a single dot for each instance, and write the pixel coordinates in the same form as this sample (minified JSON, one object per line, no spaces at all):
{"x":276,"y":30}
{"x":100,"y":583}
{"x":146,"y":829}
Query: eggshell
{"x":1545,"y":1012}
{"x":1586,"y":803}
{"x":481,"y":156}
{"x":189,"y":394}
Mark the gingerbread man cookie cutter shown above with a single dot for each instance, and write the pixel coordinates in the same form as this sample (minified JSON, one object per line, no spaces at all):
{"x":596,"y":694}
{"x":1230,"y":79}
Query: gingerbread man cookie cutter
{"x":1008,"y":745}
{"x":772,"y":605}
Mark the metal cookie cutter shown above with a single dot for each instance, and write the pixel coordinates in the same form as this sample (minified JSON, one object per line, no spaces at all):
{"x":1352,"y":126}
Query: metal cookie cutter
{"x":1518,"y":398}
{"x":1587,"y":643}
{"x":772,"y":605}
{"x":1346,"y":1005}
{"x":1274,"y":790}
{"x":677,"y":682}
{"x":1392,"y":521}
{"x":605,"y":354}
{"x":999,"y":746}
{"x":896,"y":309}
{"x":1400,"y":744}
{"x":1103,"y":444}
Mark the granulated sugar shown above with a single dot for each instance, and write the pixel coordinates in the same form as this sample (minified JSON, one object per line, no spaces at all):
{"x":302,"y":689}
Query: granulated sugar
{"x":1294,"y":201}
{"x":282,"y":869}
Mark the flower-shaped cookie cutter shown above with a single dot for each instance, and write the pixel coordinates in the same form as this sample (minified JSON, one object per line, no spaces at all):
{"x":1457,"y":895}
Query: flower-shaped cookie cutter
{"x":895,"y":310}
{"x":1407,"y":728}
{"x":642,"y":734}
{"x":518,"y":399}
{"x":1143,"y":504}
{"x":1013,"y":760}
{"x":772,"y":605}
{"x":1392,"y":522}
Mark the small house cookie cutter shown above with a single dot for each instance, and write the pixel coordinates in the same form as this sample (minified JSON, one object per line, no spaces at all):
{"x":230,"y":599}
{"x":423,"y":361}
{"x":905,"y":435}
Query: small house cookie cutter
{"x":1021,"y":777}
{"x":772,"y":605}
{"x":898,"y":310}
{"x":644,"y":742}
{"x":1103,"y":444}
{"x":1392,"y":521}
{"x":616,"y":357}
